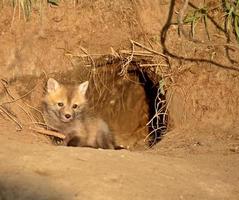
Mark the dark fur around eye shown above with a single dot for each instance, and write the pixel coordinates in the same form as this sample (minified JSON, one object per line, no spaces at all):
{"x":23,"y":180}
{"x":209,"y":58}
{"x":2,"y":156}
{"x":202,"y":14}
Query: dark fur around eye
{"x":74,"y":106}
{"x":60,"y":104}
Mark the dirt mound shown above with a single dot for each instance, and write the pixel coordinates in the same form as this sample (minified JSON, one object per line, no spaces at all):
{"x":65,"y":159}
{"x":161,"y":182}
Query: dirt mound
{"x":46,"y":172}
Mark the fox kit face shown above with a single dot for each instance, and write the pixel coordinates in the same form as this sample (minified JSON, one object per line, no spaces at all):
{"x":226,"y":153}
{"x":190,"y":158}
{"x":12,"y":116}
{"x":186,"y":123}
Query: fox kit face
{"x":65,"y":103}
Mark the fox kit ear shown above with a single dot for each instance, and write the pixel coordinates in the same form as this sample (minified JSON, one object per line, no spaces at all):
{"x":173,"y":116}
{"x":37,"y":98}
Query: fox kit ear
{"x":83,"y":87}
{"x":52,"y":85}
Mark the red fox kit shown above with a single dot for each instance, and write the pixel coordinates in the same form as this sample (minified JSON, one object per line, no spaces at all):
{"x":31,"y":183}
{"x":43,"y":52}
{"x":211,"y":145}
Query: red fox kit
{"x":65,"y":109}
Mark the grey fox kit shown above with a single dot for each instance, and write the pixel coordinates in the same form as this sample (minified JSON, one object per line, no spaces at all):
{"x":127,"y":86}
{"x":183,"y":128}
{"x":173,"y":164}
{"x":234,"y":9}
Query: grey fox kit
{"x":66,"y":110}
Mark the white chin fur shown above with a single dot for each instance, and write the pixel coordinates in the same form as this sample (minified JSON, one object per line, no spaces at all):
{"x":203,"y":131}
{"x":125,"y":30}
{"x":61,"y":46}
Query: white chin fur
{"x":66,"y":120}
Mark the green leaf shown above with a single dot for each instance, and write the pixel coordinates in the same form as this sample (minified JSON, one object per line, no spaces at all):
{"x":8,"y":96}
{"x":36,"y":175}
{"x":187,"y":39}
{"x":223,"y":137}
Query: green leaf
{"x":236,"y":24}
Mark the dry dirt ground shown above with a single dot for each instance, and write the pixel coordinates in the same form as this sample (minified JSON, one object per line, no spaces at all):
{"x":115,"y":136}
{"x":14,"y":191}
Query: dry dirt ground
{"x":38,"y":170}
{"x":198,"y":157}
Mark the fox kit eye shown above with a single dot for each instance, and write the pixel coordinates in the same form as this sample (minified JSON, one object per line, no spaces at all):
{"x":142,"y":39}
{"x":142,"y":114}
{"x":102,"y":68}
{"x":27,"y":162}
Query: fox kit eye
{"x":60,"y":104}
{"x":74,"y":106}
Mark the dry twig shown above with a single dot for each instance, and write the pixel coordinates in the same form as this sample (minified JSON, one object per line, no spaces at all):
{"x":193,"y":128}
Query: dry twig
{"x":148,"y":49}
{"x":11,"y":117}
{"x":48,"y":132}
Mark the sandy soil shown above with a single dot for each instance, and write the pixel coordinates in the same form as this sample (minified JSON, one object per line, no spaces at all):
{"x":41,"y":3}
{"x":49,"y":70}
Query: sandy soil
{"x":30,"y":171}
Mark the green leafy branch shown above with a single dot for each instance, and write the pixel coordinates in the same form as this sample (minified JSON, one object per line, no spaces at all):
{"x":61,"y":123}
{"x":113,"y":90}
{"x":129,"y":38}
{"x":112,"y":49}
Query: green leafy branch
{"x":232,"y":16}
{"x":195,"y":16}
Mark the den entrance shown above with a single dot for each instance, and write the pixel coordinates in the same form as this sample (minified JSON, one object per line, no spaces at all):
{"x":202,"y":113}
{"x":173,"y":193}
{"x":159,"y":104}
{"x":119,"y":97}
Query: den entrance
{"x":132,"y":102}
{"x":130,"y":98}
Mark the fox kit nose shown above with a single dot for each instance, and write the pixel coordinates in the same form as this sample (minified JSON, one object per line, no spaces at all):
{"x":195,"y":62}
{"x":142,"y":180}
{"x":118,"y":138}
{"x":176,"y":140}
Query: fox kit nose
{"x":67,"y":116}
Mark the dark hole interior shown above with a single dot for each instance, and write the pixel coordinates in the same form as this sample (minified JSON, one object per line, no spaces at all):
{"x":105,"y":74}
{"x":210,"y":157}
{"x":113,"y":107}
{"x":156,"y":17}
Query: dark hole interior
{"x":156,"y":102}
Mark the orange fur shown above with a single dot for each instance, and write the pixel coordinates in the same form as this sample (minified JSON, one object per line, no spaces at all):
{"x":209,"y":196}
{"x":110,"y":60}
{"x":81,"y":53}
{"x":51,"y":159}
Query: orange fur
{"x":66,"y":110}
